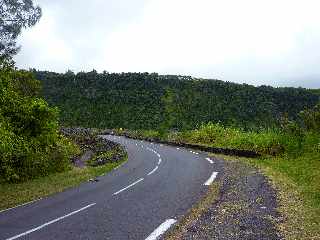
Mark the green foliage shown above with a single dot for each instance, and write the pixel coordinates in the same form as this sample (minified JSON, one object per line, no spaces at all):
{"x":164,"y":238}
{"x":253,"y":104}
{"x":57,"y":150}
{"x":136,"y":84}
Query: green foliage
{"x":264,"y":142}
{"x":30,"y":145}
{"x":311,"y":118}
{"x":167,"y":102}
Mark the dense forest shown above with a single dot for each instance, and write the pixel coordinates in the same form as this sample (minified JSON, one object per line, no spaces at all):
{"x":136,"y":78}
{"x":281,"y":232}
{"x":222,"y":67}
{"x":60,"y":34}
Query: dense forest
{"x":152,"y":101}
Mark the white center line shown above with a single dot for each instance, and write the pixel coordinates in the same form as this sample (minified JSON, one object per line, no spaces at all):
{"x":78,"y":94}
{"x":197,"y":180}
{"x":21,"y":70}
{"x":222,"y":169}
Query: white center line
{"x":132,"y":184}
{"x":211,"y":179}
{"x":155,"y":169}
{"x":161,"y":229}
{"x":209,"y":160}
{"x":51,"y":222}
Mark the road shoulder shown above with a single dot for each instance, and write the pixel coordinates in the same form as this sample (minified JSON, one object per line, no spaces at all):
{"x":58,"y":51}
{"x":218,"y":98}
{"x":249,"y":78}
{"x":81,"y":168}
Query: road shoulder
{"x":241,"y":205}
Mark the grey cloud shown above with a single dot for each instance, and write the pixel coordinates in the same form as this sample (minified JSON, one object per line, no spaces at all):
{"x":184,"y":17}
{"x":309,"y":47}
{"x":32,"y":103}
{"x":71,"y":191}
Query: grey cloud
{"x":84,"y":26}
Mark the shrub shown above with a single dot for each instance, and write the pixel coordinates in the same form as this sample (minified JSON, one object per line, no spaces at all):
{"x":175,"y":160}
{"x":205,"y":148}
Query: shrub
{"x":30,"y":145}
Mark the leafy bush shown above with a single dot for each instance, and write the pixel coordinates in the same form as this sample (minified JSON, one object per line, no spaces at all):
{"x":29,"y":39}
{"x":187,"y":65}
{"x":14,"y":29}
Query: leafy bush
{"x":30,"y":145}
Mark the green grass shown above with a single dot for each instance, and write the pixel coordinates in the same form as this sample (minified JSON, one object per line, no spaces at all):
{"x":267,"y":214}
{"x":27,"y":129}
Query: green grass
{"x":264,"y":141}
{"x":15,"y":194}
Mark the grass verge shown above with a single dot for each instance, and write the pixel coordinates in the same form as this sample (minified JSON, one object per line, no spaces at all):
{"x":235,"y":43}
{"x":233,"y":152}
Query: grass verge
{"x":14,"y":194}
{"x":297,"y":182}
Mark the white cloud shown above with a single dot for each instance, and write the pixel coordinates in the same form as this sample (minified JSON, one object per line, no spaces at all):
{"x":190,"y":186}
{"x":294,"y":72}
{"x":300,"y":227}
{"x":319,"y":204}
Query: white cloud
{"x":257,"y":41}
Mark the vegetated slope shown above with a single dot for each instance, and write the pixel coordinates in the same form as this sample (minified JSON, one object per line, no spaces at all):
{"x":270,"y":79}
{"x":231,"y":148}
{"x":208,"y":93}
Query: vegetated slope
{"x":152,"y":101}
{"x":30,"y":145}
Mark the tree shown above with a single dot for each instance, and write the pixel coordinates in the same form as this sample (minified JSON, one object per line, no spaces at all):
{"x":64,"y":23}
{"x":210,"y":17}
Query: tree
{"x":15,"y":15}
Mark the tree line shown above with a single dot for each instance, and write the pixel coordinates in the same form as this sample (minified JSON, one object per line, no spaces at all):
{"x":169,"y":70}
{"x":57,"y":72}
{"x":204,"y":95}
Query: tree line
{"x":153,"y":101}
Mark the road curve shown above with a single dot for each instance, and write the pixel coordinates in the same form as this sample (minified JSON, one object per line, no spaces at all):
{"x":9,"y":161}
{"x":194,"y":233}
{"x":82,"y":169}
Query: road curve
{"x":139,"y":200}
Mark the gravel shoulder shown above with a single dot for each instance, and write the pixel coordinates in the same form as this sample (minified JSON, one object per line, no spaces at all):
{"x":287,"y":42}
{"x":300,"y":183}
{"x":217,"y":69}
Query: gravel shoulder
{"x":242,"y":205}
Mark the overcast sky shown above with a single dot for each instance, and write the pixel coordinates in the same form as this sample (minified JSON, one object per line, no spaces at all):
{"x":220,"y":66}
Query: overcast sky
{"x":270,"y":42}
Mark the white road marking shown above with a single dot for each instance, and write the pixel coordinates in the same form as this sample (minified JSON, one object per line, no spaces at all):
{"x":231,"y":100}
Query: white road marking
{"x":132,"y":184}
{"x":158,"y":154}
{"x":159,"y":161}
{"x":48,"y":223}
{"x":161,"y":229}
{"x":24,"y":204}
{"x":211,"y":179}
{"x":178,"y":148}
{"x":209,"y":160}
{"x":155,"y":169}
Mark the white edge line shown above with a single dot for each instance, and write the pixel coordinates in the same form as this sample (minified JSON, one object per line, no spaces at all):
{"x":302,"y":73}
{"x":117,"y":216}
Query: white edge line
{"x":209,"y":160}
{"x":24,"y":204}
{"x":51,"y":222}
{"x":211,"y":179}
{"x":161,"y":229}
{"x":155,"y":169}
{"x":159,"y":161}
{"x":132,"y":184}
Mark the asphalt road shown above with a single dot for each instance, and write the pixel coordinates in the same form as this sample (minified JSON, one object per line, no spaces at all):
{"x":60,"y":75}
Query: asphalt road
{"x":140,"y":200}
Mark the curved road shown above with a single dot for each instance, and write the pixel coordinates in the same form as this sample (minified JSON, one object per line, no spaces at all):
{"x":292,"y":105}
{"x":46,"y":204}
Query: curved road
{"x":140,"y":200}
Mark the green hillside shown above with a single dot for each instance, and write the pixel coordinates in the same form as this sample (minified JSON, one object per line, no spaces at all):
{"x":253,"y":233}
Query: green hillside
{"x":152,"y":101}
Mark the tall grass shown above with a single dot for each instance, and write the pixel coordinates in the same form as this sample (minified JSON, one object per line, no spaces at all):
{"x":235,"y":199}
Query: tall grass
{"x":269,"y":141}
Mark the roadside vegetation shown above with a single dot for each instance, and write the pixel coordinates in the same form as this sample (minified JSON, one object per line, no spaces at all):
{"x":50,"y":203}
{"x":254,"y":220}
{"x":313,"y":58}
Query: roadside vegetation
{"x":103,"y":157}
{"x":30,"y":143}
{"x":36,"y":157}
